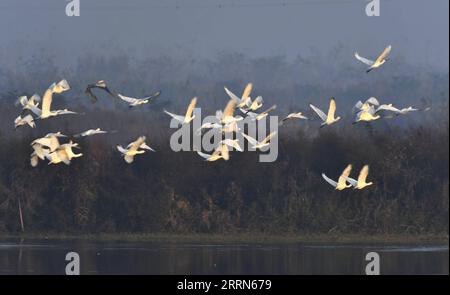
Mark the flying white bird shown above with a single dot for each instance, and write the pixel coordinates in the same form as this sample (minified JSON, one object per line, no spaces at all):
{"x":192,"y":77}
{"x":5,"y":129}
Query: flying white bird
{"x":262,"y":115}
{"x":46,"y":111}
{"x":364,"y":106}
{"x":50,"y":141}
{"x":367,"y":115}
{"x":221,"y":152}
{"x":132,"y":102}
{"x":63,"y":154}
{"x":31,"y":104}
{"x":341,"y":184}
{"x":330,"y":117}
{"x":361,"y":182}
{"x":90,"y":132}
{"x":64,"y":112}
{"x":403,"y":111}
{"x":378,"y":62}
{"x":47,"y":99}
{"x":188,"y":117}
{"x":27,"y":120}
{"x":259,"y":145}
{"x":298,"y":115}
{"x":25,"y":101}
{"x":135,"y":148}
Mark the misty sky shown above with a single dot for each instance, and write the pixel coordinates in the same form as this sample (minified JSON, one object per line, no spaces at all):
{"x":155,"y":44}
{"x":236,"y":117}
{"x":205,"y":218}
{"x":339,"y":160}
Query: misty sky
{"x":417,"y":29}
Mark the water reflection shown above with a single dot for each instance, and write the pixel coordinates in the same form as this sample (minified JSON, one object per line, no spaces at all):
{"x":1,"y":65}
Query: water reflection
{"x":48,"y":257}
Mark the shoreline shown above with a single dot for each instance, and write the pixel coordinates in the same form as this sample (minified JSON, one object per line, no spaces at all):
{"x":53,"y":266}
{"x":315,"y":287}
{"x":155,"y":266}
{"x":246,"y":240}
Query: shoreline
{"x":238,"y":238}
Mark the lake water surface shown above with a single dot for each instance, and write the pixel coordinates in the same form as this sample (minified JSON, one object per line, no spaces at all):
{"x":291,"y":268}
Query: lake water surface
{"x":48,"y":257}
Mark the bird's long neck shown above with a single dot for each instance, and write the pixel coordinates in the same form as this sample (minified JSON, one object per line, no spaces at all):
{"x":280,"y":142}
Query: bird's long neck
{"x":46,"y":100}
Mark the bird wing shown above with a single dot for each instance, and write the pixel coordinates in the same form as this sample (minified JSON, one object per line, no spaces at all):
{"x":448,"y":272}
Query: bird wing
{"x":146,"y":147}
{"x":64,"y":85}
{"x":35,"y":98}
{"x":191,"y":108}
{"x":371,"y":110}
{"x":332,"y":109}
{"x":152,"y":96}
{"x":34,"y":160}
{"x":55,"y":134}
{"x":83,"y":134}
{"x":364,"y":60}
{"x":330,"y":181}
{"x":23,"y":101}
{"x":250,"y":139}
{"x":372,"y":100}
{"x":237,"y":146}
{"x":176,"y":117}
{"x":224,"y":152}
{"x":232,"y":143}
{"x":32,"y":105}
{"x":352,"y":181}
{"x":39,"y":151}
{"x":245,"y":103}
{"x":92,"y":96}
{"x":357,"y":107}
{"x":134,"y":146}
{"x":319,"y":112}
{"x":52,"y":143}
{"x":47,"y":101}
{"x":384,"y":54}
{"x":18,"y":120}
{"x":65,"y":112}
{"x":28,"y":118}
{"x":232,"y":95}
{"x":342,"y":179}
{"x":229,"y":109}
{"x":88,"y":92}
{"x":258,"y":100}
{"x":203,"y":155}
{"x":404,"y":110}
{"x":269,"y":109}
{"x":363,"y":174}
{"x":219,"y":114}
{"x":247,"y":91}
{"x":387,"y":107}
{"x":130,"y":100}
{"x":121,"y":149}
{"x":299,"y":115}
{"x":269,"y":137}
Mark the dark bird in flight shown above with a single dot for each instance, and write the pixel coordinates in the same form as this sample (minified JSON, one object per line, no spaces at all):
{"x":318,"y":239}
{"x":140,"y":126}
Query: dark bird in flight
{"x":100,"y":85}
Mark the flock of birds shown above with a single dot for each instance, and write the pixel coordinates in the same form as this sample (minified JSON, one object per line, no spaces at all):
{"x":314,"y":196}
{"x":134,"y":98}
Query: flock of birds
{"x":49,"y":148}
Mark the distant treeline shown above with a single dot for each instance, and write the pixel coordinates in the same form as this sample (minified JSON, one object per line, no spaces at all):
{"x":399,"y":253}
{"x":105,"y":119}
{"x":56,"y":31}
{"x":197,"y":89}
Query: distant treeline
{"x":179,"y":192}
